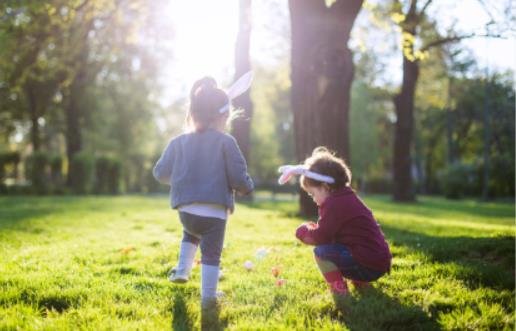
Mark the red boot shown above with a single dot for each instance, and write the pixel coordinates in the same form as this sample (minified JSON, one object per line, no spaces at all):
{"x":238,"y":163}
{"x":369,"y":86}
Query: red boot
{"x":339,"y":288}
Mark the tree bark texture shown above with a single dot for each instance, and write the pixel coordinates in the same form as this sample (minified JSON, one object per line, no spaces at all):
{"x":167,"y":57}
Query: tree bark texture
{"x":322,"y":74}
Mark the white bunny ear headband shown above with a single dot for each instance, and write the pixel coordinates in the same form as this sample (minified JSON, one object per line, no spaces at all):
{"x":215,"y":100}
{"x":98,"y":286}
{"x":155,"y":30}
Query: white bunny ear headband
{"x":238,"y":88}
{"x":287,"y":171}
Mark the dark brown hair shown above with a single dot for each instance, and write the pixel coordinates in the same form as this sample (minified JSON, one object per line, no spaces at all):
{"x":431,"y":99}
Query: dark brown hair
{"x":324,"y":162}
{"x":205,"y":102}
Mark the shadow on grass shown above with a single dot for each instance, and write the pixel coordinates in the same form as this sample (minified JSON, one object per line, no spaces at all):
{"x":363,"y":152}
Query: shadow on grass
{"x":371,"y":309}
{"x":425,"y":206}
{"x":181,"y":319}
{"x":436,"y":206}
{"x":210,"y":319}
{"x":184,"y":320}
{"x":18,"y":209}
{"x":489,"y":261}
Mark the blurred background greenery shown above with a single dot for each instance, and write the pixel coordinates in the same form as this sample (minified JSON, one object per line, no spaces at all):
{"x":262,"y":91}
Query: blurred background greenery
{"x":91,"y":91}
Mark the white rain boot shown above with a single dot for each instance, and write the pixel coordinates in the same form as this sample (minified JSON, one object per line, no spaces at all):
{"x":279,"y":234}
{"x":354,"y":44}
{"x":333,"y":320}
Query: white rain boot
{"x":181,"y":273}
{"x":209,"y":280}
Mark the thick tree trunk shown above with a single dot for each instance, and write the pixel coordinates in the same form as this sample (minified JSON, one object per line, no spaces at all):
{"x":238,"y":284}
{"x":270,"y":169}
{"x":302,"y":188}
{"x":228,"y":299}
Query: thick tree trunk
{"x":404,"y":104}
{"x":321,"y":73}
{"x":242,"y":125}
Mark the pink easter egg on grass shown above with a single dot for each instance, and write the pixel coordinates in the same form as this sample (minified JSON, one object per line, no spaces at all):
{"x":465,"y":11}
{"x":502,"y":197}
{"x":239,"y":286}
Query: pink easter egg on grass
{"x":280,"y":282}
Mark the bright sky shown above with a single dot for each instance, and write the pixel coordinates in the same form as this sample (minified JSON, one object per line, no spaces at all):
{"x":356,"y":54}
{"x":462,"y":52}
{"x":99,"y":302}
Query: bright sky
{"x":205,"y":34}
{"x":472,"y":16}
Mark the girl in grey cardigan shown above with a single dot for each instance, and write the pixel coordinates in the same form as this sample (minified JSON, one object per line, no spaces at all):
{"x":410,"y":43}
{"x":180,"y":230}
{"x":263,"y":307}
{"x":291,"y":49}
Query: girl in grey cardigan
{"x":203,"y":167}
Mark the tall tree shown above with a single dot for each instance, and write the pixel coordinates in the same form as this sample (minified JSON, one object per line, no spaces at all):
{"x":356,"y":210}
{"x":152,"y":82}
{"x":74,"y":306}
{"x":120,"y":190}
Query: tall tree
{"x":241,"y":125}
{"x":29,"y":71}
{"x":321,"y":73}
{"x":77,"y":58}
{"x":415,"y":24}
{"x":79,"y":49}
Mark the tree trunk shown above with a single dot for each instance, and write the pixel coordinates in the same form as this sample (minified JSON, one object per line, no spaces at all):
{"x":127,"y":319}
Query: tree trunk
{"x":449,"y":125}
{"x":404,"y":104}
{"x":430,"y":180}
{"x":73,"y":120}
{"x":35,"y":133}
{"x":486,"y":141}
{"x":242,"y":125}
{"x":35,"y":136}
{"x":321,"y":74}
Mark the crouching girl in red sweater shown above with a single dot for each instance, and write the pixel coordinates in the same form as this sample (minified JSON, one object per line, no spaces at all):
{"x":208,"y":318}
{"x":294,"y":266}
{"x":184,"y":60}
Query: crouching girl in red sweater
{"x":349,"y":243}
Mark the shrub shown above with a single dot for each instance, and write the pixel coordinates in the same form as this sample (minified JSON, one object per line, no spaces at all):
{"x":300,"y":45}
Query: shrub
{"x":108,"y":175}
{"x":460,"y":179}
{"x":501,"y":175}
{"x":38,"y":172}
{"x":56,"y":173}
{"x":151,"y":184}
{"x":378,"y":185}
{"x":81,"y":173}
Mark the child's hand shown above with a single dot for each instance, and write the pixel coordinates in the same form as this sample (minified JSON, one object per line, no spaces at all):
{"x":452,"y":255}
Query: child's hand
{"x":303,"y":233}
{"x":311,"y":225}
{"x":244,"y":194}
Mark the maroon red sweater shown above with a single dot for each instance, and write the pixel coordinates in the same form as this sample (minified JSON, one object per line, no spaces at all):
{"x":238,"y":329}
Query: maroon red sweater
{"x":344,"y":219}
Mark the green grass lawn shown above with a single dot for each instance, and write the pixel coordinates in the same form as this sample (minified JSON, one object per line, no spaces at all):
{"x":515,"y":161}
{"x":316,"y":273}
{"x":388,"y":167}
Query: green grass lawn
{"x":100,"y":263}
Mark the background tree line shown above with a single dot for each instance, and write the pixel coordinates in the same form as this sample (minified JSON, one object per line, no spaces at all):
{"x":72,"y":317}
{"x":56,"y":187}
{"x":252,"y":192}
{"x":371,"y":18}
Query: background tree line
{"x":80,"y":91}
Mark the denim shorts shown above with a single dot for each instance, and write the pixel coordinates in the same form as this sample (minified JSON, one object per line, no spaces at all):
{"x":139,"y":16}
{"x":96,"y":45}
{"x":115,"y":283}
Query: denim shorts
{"x":342,"y":258}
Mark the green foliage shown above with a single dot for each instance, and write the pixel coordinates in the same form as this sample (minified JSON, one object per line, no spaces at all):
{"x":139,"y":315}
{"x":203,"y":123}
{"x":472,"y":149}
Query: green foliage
{"x":92,"y":61}
{"x":459,"y":180}
{"x":150,"y":183}
{"x":466,"y":96}
{"x":473,"y":94}
{"x":376,"y":184}
{"x":502,"y":181}
{"x":497,"y":94}
{"x":81,"y":173}
{"x":56,"y":173}
{"x":136,"y":168}
{"x":371,"y":131}
{"x":272,"y":136}
{"x":453,"y":268}
{"x":107,"y":175}
{"x":364,"y":136}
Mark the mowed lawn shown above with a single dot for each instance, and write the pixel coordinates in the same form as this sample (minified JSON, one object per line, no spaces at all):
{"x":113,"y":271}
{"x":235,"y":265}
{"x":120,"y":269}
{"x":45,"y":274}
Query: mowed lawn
{"x":100,"y":263}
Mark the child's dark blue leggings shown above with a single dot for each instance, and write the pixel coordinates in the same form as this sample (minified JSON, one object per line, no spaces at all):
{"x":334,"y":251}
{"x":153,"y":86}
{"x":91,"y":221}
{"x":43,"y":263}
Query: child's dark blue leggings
{"x":342,"y":258}
{"x":207,"y":231}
